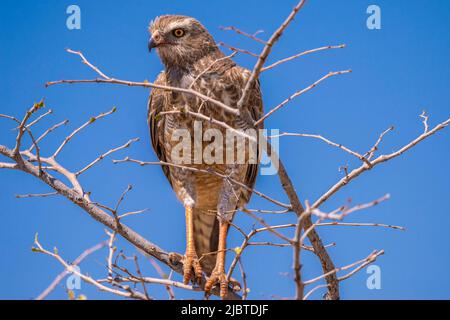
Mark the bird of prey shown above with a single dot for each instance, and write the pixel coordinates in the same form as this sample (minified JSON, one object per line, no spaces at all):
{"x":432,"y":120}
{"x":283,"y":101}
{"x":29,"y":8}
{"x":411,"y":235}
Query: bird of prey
{"x":193,"y":61}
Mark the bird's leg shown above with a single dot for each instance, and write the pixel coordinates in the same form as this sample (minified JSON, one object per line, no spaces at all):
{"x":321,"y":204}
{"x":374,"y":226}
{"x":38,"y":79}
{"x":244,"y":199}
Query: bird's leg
{"x":226,"y":208}
{"x":191,"y":260}
{"x":218,"y":274}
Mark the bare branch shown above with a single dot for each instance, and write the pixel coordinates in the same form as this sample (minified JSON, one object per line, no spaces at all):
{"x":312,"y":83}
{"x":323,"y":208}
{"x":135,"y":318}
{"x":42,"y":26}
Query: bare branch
{"x":224,"y":176}
{"x":361,"y":264}
{"x":6,"y":165}
{"x":383,"y":158}
{"x":314,"y":290}
{"x":273,"y":65}
{"x":111,"y":251}
{"x":245,"y":289}
{"x":265,"y":53}
{"x":235,"y":49}
{"x":86,"y":62}
{"x":54,"y":165}
{"x":128,"y":189}
{"x":22,"y":127}
{"x":209,"y":67}
{"x":151,"y":280}
{"x":63,"y":274}
{"x":47,"y":132}
{"x":238,"y":31}
{"x":104,"y":155}
{"x":268,"y":211}
{"x":370,"y":259}
{"x":327,"y":141}
{"x":359,"y":224}
{"x":131,"y":213}
{"x":246,"y":241}
{"x":50,"y":111}
{"x":372,"y":150}
{"x":268,"y":243}
{"x":146,"y":84}
{"x":74,"y":195}
{"x":162,"y":274}
{"x":9,"y":117}
{"x":296,"y":247}
{"x":300,"y":92}
{"x":138,"y":270}
{"x":343,"y":211}
{"x":424,"y":116}
{"x":268,"y":227}
{"x":70,"y":269}
{"x":36,"y":195}
{"x":90,"y":121}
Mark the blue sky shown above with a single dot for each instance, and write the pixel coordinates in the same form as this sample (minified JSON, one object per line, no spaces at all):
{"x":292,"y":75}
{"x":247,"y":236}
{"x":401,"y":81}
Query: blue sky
{"x":397,"y":72}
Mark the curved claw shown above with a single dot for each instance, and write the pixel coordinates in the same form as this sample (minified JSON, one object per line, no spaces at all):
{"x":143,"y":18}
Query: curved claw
{"x":217,"y":277}
{"x":191,"y":262}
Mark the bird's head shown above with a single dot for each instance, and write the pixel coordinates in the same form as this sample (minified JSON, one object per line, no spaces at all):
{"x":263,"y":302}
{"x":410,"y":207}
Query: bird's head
{"x":180,"y":40}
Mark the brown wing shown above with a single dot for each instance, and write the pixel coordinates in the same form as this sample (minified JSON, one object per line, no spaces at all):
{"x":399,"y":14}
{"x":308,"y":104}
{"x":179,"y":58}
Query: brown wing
{"x":156,"y":102}
{"x":254,"y":105}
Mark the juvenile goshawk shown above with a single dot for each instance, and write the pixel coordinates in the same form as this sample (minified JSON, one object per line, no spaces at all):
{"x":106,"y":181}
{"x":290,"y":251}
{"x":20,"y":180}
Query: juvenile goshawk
{"x":193,"y":61}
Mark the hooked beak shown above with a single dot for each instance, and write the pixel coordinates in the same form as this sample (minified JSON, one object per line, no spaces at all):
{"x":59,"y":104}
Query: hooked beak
{"x":151,"y":44}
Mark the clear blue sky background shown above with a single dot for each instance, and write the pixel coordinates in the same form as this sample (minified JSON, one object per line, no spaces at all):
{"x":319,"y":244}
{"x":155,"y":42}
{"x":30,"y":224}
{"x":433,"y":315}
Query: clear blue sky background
{"x":397,"y":72}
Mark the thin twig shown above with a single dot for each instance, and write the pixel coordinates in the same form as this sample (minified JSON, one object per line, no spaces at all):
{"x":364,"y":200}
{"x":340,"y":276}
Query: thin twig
{"x":327,"y":141}
{"x":70,"y":268}
{"x":62,"y":123}
{"x":50,"y":111}
{"x":273,"y":65}
{"x":265,"y":53}
{"x":76,"y":262}
{"x":194,"y":169}
{"x":360,"y":224}
{"x":104,"y":155}
{"x":87,"y":123}
{"x":380,"y":159}
{"x":424,"y":116}
{"x":85,"y":61}
{"x":209,"y":67}
{"x":299,"y":93}
{"x":105,"y":79}
{"x":162,"y":274}
{"x":235,"y":49}
{"x":372,"y":150}
{"x":343,"y":211}
{"x":36,"y":195}
{"x":360,"y":263}
{"x":238,"y":31}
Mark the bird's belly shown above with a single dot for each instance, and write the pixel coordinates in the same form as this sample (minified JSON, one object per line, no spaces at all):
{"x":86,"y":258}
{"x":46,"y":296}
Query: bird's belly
{"x":186,"y":144}
{"x":208,"y":187}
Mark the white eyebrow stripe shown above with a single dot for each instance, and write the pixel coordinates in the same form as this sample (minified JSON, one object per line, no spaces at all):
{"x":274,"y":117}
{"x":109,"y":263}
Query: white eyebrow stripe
{"x":178,"y":24}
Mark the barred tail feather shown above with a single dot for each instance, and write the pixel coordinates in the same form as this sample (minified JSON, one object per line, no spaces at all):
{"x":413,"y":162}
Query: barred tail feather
{"x":206,"y":237}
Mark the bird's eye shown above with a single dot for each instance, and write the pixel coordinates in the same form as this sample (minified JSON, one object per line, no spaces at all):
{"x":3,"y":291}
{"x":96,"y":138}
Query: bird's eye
{"x":178,"y":33}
